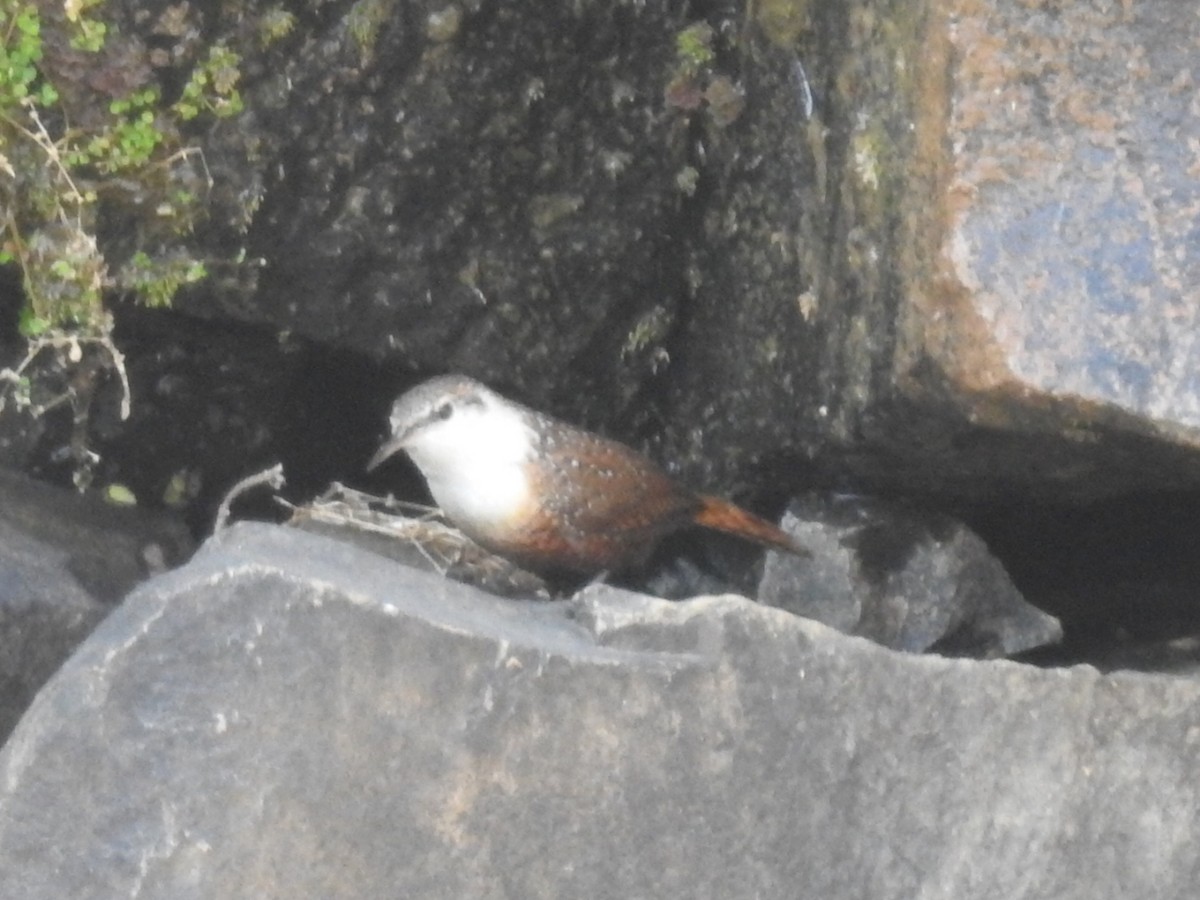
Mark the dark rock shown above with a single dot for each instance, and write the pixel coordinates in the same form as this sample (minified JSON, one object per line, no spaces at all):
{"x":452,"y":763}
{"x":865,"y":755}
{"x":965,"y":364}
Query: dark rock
{"x":905,"y":579}
{"x":44,"y":614}
{"x":818,"y":241}
{"x":488,"y":189}
{"x":288,"y":716}
{"x":211,"y":404}
{"x":19,"y":434}
{"x":816,"y":254}
{"x":64,"y":561}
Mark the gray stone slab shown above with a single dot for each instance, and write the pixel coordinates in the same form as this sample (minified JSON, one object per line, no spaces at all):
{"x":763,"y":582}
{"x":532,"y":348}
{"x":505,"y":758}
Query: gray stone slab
{"x":287,"y":716}
{"x":65,"y":559}
{"x":44,"y":614}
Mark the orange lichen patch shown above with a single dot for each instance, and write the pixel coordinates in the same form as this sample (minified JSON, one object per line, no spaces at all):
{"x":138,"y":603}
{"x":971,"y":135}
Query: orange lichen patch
{"x":1085,"y":110}
{"x":941,"y":323}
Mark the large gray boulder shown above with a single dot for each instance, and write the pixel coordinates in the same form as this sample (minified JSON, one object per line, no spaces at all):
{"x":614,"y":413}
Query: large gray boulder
{"x":65,"y":561}
{"x":287,"y":716}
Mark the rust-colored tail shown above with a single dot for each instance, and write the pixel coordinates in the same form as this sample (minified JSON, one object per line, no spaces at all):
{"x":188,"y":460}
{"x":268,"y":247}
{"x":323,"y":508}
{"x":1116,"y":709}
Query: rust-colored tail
{"x":722,"y":515}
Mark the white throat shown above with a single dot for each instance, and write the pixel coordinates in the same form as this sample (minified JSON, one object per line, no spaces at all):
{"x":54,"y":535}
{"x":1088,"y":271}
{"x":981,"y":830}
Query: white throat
{"x":474,"y":463}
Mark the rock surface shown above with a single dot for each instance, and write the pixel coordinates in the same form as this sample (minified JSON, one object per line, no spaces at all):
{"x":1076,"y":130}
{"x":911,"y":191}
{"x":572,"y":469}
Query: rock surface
{"x":1075,"y":238}
{"x":459,"y":186}
{"x":1011,"y":286}
{"x":969,"y":249}
{"x":906,"y":579}
{"x":827,"y":233}
{"x":286,"y":716}
{"x":64,"y":561}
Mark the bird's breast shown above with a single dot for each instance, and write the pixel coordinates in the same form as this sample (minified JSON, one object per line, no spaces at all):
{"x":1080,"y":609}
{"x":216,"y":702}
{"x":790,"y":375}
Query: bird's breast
{"x":482,"y":499}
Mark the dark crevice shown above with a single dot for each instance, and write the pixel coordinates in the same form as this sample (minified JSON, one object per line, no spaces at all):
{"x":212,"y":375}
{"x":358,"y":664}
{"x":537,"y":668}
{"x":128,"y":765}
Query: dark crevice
{"x":1122,"y":574}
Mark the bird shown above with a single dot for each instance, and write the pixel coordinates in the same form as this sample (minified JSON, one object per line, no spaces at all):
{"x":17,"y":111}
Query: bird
{"x":545,"y":494}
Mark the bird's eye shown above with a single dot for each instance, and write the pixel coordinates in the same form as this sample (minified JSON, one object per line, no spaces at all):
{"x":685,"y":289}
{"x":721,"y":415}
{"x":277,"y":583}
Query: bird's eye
{"x":444,"y":411}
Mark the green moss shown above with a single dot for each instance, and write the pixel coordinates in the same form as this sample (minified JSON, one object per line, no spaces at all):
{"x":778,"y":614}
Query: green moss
{"x":649,"y":330}
{"x":687,"y":179}
{"x":74,"y":146}
{"x":694,"y":81}
{"x":364,"y":21}
{"x":864,"y":154}
{"x":275,"y":24}
{"x":547,"y":209}
{"x":781,"y":21}
{"x":127,"y":150}
{"x":212,"y":87}
{"x":158,"y":280}
{"x":443,"y":24}
{"x":119,"y":495}
{"x":694,"y":47}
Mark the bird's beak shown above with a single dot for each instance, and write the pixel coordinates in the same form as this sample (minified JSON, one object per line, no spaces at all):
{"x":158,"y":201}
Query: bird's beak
{"x":389,"y":448}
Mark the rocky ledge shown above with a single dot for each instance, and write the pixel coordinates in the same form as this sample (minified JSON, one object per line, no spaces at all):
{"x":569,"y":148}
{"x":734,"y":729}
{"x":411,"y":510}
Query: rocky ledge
{"x":290,"y":716}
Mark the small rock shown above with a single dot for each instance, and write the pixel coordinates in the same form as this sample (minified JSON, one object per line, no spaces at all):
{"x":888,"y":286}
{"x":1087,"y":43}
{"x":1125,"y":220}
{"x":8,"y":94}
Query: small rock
{"x":907,"y":580}
{"x":64,"y":560}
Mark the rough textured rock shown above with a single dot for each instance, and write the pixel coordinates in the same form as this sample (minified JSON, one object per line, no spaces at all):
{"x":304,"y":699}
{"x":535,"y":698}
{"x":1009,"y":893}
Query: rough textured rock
{"x":462,"y":186}
{"x":905,"y":579}
{"x":44,"y":614}
{"x":64,"y":561}
{"x":899,"y":281}
{"x":1006,"y":291}
{"x":19,"y":428}
{"x":560,"y":202}
{"x":665,"y":238}
{"x":1074,"y":238}
{"x":286,"y":716}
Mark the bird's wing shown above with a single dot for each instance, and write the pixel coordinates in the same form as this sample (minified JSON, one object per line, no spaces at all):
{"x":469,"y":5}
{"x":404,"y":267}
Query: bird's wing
{"x":610,"y":484}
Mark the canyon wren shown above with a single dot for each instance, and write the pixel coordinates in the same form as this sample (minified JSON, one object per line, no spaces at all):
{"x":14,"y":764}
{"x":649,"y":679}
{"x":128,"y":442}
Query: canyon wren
{"x":544,"y":494}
